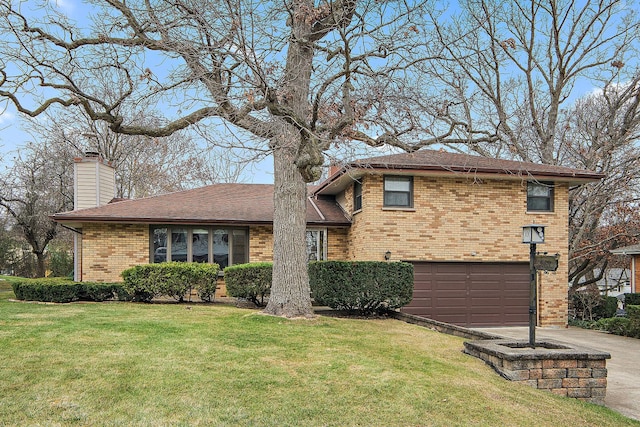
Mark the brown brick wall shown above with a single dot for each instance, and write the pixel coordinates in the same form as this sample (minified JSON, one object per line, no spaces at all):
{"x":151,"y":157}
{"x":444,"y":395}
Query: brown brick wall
{"x":463,"y":219}
{"x":108,"y":249}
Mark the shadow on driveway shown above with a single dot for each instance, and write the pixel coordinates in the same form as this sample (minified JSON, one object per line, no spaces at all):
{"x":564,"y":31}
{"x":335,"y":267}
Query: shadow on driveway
{"x":623,"y":377}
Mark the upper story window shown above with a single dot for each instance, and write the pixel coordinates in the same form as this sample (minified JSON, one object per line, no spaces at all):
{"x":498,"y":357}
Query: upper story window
{"x":540,"y":196}
{"x":223,"y":246}
{"x":357,"y":195}
{"x":398,"y":191}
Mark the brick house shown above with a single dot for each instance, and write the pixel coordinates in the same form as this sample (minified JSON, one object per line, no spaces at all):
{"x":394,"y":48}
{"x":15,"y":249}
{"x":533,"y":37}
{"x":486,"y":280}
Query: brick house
{"x":633,"y":252}
{"x":457,"y":218}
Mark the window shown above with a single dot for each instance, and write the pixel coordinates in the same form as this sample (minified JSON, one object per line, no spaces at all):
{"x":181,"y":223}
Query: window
{"x":357,"y":196}
{"x":316,"y":247}
{"x":540,"y":196}
{"x":398,"y":191}
{"x":223,"y":246}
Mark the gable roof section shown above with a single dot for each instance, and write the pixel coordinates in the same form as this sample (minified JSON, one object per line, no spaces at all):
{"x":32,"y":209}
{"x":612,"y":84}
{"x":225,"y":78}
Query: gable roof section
{"x":212,"y":204}
{"x":443,"y":163}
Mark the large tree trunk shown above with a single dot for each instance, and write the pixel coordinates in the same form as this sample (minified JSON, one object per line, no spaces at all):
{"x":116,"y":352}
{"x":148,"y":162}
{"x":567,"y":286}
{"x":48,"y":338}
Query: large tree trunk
{"x":40,"y":264}
{"x":290,"y":292}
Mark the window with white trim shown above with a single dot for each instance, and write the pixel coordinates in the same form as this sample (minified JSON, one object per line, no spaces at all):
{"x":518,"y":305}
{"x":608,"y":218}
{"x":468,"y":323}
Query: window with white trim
{"x":398,"y":191}
{"x":316,"y":244}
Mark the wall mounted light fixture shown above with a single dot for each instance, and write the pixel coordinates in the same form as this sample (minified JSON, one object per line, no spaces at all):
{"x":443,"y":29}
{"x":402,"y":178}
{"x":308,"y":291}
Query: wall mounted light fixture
{"x":387,"y":255}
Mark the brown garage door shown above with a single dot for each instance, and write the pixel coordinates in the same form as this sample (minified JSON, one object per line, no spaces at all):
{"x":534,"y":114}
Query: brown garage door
{"x":471,"y":294}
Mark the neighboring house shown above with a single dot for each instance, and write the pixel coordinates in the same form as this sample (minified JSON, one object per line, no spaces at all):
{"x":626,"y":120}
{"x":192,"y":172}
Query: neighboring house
{"x":632,"y":251}
{"x":457,"y":218}
{"x":614,"y":281}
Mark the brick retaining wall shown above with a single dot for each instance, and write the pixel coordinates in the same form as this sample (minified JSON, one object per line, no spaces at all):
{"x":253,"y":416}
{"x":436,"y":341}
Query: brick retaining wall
{"x":560,"y":368}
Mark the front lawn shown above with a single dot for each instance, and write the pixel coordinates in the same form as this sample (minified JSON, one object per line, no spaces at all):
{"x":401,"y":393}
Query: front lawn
{"x":168,"y":364}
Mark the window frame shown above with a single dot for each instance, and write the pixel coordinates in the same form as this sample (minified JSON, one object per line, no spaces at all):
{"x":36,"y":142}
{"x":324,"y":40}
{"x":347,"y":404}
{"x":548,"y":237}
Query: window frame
{"x":406,"y":178}
{"x":549,"y":198}
{"x":357,"y":196}
{"x":321,"y":250}
{"x":190,"y":229}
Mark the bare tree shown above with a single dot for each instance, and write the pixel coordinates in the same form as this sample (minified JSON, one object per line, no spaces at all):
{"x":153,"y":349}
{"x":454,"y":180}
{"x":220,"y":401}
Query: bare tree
{"x":297,"y":75}
{"x":144,"y":165}
{"x":512,"y":69}
{"x":35,"y":187}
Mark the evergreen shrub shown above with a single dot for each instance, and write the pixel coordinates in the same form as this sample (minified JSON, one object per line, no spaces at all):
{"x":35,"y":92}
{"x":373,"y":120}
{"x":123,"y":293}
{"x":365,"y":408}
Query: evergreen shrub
{"x":249,"y":281}
{"x":174,"y":279}
{"x":364,"y":287}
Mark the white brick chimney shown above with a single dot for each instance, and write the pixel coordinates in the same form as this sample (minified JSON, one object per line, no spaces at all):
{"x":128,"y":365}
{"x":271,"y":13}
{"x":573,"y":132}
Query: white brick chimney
{"x":94,"y":181}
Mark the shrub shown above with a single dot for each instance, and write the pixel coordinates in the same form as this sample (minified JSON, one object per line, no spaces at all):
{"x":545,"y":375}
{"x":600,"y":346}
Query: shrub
{"x":62,"y":290}
{"x":632,"y":299}
{"x":174,"y":279}
{"x":47,"y":290}
{"x":365,"y":287}
{"x":615,"y":325}
{"x":633,"y":313}
{"x":98,"y":291}
{"x":249,"y":281}
{"x":60,"y":262}
{"x":607,"y":308}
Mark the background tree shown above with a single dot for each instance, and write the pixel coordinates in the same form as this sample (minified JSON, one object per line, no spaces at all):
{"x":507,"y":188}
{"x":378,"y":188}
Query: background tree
{"x":514,"y":69}
{"x":36,"y":186}
{"x":144,"y":166}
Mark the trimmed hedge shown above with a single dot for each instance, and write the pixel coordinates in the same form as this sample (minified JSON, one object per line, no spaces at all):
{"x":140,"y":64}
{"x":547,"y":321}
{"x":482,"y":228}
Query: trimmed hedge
{"x":365,"y":287}
{"x":249,"y":281}
{"x":64,"y":290}
{"x":174,"y":279}
{"x":632,"y":299}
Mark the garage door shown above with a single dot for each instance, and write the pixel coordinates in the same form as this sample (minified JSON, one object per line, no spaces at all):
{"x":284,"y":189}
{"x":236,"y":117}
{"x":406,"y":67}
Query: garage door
{"x":471,"y":294}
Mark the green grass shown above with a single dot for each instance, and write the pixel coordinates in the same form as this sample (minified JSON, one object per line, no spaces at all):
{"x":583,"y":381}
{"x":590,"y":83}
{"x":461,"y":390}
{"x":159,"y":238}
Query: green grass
{"x":117,"y":364}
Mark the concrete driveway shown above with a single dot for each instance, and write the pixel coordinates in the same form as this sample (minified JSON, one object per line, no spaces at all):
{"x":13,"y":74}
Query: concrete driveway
{"x":623,"y":376}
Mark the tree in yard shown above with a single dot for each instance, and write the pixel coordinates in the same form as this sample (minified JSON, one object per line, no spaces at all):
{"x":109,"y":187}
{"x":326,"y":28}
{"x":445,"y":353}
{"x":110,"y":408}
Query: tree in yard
{"x":512,"y":69}
{"x":144,"y":166}
{"x":36,"y":186}
{"x":300,"y":76}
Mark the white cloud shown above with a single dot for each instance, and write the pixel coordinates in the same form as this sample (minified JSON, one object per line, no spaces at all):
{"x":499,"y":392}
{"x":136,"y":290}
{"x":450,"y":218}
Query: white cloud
{"x":66,"y":5}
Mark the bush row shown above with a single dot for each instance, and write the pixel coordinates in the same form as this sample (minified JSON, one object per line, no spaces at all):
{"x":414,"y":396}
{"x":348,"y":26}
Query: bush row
{"x":65,"y":290}
{"x":365,"y":287}
{"x":626,"y":326}
{"x":173,"y":279}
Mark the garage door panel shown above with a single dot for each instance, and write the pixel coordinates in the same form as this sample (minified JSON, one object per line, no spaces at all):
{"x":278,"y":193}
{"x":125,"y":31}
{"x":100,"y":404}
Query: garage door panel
{"x":472,"y":294}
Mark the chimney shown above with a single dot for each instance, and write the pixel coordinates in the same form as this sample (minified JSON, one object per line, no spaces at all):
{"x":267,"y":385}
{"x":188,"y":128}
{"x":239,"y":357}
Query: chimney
{"x":333,"y":169}
{"x":94,"y":181}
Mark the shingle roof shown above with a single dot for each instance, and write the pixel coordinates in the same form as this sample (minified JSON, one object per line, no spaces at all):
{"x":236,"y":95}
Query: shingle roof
{"x":444,"y":162}
{"x":213,"y":204}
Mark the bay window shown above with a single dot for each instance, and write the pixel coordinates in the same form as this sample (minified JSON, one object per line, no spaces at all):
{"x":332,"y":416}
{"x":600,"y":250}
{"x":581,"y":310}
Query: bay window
{"x":221,"y":245}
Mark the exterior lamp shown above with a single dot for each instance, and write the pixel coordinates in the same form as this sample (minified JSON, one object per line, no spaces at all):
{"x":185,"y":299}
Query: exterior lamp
{"x":387,"y":255}
{"x":533,"y":234}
